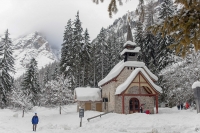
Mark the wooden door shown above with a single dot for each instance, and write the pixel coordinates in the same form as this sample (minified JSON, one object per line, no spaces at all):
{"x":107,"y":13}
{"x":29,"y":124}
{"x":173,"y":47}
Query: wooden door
{"x":99,"y":107}
{"x":134,"y":105}
{"x":87,"y":106}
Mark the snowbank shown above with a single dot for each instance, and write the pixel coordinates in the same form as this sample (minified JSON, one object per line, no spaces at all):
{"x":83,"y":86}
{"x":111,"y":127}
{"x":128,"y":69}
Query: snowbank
{"x":136,"y":50}
{"x":196,"y":84}
{"x":169,"y":120}
{"x":118,"y":68}
{"x":129,"y":43}
{"x":87,"y":94}
{"x":124,"y":86}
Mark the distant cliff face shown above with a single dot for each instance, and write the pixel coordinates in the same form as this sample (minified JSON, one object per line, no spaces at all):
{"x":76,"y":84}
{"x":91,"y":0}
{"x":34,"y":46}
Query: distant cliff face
{"x":31,"y":46}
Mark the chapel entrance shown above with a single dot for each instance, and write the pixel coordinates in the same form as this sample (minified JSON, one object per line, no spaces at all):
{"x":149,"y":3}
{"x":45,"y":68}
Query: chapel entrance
{"x":134,"y":106}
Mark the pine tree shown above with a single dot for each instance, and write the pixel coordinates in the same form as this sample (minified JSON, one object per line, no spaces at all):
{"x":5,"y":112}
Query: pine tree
{"x":114,"y":51}
{"x":6,"y":67}
{"x":102,"y":44}
{"x":86,"y":57}
{"x":141,"y":11}
{"x":109,"y":62}
{"x":150,"y":13}
{"x":166,"y":10}
{"x":77,"y":49}
{"x":30,"y":83}
{"x":149,"y":50}
{"x":55,"y":73}
{"x":183,"y":27}
{"x":94,"y":63}
{"x":139,"y":40}
{"x":67,"y":48}
{"x":46,"y":77}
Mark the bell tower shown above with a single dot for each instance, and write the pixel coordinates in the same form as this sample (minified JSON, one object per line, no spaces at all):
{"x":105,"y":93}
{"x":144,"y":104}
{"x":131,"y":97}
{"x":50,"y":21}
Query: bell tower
{"x":131,"y":50}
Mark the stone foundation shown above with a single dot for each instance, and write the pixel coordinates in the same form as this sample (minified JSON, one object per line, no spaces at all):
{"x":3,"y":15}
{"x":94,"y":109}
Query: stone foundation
{"x":148,"y":101}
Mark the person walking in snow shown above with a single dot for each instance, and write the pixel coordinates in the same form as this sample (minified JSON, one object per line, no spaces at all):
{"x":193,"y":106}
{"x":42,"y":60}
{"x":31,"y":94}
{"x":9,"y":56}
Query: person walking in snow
{"x":178,"y":105}
{"x":187,"y":105}
{"x":35,"y":121}
{"x":181,"y":106}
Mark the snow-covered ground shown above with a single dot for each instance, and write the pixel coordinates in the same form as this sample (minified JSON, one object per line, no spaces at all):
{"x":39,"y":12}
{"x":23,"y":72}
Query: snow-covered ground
{"x":167,"y":121}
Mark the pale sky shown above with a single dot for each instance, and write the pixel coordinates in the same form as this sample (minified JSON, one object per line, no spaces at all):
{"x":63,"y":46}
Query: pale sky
{"x":50,"y":17}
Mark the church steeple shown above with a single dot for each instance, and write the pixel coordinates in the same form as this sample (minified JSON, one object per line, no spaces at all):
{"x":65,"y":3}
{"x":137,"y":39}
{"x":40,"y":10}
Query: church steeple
{"x":129,"y":34}
{"x":131,"y":50}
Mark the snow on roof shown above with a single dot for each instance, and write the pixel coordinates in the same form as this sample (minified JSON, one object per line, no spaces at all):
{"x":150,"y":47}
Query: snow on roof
{"x":87,"y":94}
{"x":150,"y":73}
{"x":136,"y":50}
{"x":124,"y":85}
{"x":195,"y":84}
{"x":129,"y":43}
{"x":118,"y":68}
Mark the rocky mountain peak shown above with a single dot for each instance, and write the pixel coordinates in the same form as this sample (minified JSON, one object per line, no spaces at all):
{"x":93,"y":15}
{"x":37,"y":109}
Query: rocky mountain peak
{"x":31,"y":46}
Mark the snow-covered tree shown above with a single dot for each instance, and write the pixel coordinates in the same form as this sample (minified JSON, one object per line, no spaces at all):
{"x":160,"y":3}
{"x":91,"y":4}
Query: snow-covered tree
{"x":58,"y":92}
{"x":150,"y":13}
{"x":178,"y":78}
{"x":141,"y":11}
{"x":102,"y":44}
{"x":6,"y":67}
{"x":30,"y":83}
{"x":166,"y":10}
{"x":86,"y":57}
{"x":94,"y":64}
{"x":67,"y":48}
{"x":182,"y":26}
{"x":46,"y":77}
{"x":77,"y":49}
{"x":139,"y":40}
{"x":55,"y":73}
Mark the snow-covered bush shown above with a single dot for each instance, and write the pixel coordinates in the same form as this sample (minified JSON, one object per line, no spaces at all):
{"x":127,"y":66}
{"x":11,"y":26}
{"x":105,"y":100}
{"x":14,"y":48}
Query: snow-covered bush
{"x":178,"y":79}
{"x":57,"y":92}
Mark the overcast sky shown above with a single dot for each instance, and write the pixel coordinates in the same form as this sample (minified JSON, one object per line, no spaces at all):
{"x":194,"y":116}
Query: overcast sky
{"x":50,"y":17}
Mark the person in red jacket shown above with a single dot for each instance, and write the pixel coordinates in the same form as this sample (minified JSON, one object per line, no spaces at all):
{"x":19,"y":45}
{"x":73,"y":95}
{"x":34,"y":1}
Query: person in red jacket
{"x":187,"y":105}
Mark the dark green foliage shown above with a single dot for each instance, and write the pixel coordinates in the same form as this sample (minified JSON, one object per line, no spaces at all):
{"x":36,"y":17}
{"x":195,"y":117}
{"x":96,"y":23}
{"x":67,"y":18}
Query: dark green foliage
{"x":67,"y":48}
{"x":166,"y":10}
{"x":6,"y":67}
{"x":183,"y":26}
{"x":30,"y":83}
{"x":55,"y":73}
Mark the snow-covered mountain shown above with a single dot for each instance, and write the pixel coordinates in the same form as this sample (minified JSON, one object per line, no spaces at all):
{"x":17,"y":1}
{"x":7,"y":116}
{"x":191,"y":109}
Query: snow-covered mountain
{"x":29,"y":46}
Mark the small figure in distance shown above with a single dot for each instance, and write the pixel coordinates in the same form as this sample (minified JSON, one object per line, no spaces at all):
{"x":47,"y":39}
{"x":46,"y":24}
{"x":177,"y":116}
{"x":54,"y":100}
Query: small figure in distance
{"x":178,"y":105}
{"x":187,"y":105}
{"x":181,"y":106}
{"x":35,"y":121}
{"x":141,"y":108}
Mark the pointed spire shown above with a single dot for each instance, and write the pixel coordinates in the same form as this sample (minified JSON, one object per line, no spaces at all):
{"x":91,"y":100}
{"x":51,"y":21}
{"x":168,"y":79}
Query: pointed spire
{"x":129,"y":33}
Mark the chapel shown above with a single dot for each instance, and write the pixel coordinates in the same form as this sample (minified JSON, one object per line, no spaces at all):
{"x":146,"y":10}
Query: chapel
{"x":130,"y":84}
{"x":127,"y":87}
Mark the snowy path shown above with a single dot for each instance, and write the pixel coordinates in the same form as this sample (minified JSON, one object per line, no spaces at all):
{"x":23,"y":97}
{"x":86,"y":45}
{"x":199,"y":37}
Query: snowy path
{"x":167,"y":121}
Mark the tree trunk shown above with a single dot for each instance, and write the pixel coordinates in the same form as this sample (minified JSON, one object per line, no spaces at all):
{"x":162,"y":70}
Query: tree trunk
{"x":23,"y":112}
{"x":102,"y":63}
{"x":60,"y":109}
{"x":94,"y":75}
{"x":84,"y":74}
